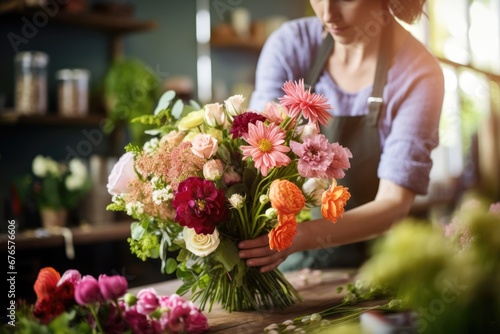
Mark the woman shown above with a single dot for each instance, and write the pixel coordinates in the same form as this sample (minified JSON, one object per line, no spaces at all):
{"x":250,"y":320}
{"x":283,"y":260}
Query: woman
{"x":386,"y":91}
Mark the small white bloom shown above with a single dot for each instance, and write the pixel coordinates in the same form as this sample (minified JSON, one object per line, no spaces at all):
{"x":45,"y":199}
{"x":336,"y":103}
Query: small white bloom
{"x":290,"y":328}
{"x":271,"y":213}
{"x":308,"y":130}
{"x":263,"y":199}
{"x":287,"y":322}
{"x":162,"y":195}
{"x":134,"y":208}
{"x":315,"y":317}
{"x":39,"y":166}
{"x":118,"y":199}
{"x":78,"y":169}
{"x":200,"y":244}
{"x":151,"y":145}
{"x":73,"y":182}
{"x":271,"y":327}
{"x":237,"y":201}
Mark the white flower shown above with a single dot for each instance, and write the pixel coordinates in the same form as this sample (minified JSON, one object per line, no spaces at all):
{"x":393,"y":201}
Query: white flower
{"x":314,"y":188}
{"x":162,"y":195}
{"x":214,"y":114}
{"x":45,"y":166}
{"x":263,"y":199}
{"x":73,"y":182}
{"x":151,"y":145}
{"x":200,"y":244}
{"x":234,"y":105}
{"x":237,"y":201}
{"x":134,"y":208}
{"x":271,"y":213}
{"x":306,"y":131}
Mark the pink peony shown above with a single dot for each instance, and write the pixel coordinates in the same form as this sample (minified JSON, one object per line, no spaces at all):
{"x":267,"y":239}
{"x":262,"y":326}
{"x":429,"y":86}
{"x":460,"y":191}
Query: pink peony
{"x":87,"y":291}
{"x":121,"y":175}
{"x":112,"y":287}
{"x":199,"y":205}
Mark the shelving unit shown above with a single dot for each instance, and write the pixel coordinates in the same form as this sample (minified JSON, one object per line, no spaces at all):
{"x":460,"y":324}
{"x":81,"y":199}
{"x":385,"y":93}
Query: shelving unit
{"x":13,"y":118}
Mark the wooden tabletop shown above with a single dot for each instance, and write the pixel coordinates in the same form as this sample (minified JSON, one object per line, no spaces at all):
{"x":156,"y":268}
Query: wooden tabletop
{"x":318,"y":290}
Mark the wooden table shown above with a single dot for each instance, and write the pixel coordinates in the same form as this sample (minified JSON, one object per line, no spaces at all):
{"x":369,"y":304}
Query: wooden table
{"x":316,"y":297}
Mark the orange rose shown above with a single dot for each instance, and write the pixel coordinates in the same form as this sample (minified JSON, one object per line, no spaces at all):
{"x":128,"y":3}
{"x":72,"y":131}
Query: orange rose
{"x":46,"y":282}
{"x":333,"y":202}
{"x":286,"y":197}
{"x":281,"y":236}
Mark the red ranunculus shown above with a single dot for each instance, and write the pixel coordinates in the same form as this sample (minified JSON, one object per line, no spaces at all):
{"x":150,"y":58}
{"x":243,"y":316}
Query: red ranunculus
{"x":199,"y":205}
{"x":47,"y":309}
{"x":46,"y":282}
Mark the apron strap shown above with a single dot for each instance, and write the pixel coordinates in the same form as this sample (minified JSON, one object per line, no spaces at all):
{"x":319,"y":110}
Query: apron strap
{"x":319,"y":62}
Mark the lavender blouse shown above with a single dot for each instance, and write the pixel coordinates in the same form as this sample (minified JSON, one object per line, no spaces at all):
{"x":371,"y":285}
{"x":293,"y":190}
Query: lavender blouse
{"x":413,"y":97}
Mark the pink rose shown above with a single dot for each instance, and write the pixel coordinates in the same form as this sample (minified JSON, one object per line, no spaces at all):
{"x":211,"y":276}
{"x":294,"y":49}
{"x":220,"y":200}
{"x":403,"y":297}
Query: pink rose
{"x":213,"y":170}
{"x":112,"y":287}
{"x":147,"y":301}
{"x":174,"y":137}
{"x":121,"y":175}
{"x":204,"y":146}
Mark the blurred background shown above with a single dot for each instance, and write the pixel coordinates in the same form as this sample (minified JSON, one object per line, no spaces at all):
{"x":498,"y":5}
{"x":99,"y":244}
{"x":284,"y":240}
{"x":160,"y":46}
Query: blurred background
{"x":74,"y":72}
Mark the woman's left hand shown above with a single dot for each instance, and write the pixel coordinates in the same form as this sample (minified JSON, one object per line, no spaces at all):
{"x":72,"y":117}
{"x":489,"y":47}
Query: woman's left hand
{"x":258,"y":254}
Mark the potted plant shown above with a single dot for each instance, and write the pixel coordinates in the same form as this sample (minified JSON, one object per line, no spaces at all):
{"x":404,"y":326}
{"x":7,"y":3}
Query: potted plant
{"x":131,"y":89}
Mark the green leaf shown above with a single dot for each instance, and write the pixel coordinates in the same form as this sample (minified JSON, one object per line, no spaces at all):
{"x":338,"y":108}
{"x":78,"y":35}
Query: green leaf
{"x":171,"y":266}
{"x":136,"y":230}
{"x":164,"y":101}
{"x":184,"y":288}
{"x":227,"y":254}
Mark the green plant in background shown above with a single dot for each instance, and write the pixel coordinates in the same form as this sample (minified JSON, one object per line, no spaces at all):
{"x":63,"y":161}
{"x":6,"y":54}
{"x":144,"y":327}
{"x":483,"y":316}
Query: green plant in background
{"x":131,"y":89}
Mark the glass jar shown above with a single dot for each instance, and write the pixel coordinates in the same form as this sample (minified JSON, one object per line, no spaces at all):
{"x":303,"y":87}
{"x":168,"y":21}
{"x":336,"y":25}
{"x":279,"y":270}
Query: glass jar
{"x":31,"y":82}
{"x":72,"y":92}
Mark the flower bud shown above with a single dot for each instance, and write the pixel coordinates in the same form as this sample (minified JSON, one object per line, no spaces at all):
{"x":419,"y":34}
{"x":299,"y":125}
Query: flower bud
{"x":237,"y":201}
{"x":112,"y":287}
{"x":214,"y":114}
{"x":213,"y":170}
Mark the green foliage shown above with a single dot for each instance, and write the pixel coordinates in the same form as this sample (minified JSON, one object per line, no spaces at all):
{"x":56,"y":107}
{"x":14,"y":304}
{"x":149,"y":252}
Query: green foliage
{"x":130,"y":90}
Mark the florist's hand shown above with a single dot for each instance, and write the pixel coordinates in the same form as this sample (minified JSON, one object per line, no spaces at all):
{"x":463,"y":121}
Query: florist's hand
{"x":258,"y":254}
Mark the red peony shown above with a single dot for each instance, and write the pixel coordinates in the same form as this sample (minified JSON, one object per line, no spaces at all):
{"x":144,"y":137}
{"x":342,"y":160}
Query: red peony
{"x":199,"y":205}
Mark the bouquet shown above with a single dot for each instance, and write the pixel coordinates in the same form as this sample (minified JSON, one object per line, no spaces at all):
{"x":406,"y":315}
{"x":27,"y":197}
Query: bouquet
{"x":73,"y":303}
{"x":57,"y":185}
{"x":215,"y":175}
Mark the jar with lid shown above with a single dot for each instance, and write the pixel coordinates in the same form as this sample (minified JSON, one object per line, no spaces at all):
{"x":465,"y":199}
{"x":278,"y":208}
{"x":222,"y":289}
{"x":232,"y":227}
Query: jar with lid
{"x":31,"y":82}
{"x":72,"y":92}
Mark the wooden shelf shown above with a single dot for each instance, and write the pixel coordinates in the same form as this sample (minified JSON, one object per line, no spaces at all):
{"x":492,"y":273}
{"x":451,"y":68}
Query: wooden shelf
{"x":12,"y":118}
{"x":84,"y":234}
{"x":110,"y":24}
{"x":249,"y":44}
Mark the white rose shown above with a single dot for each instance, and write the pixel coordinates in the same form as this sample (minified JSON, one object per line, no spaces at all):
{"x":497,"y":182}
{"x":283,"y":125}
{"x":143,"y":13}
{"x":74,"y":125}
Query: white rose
{"x":214,"y":114}
{"x":234,"y":105}
{"x":200,"y":244}
{"x":308,"y":130}
{"x":237,"y":201}
{"x":314,"y":188}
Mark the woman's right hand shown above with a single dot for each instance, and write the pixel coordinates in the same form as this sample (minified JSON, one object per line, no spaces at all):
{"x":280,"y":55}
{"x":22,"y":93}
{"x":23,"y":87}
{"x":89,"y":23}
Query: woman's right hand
{"x":258,"y":254}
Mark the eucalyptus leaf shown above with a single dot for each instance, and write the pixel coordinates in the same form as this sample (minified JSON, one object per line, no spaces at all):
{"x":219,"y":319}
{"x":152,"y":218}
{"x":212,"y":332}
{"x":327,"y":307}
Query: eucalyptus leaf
{"x":137,"y":231}
{"x":164,"y":101}
{"x":177,"y":108}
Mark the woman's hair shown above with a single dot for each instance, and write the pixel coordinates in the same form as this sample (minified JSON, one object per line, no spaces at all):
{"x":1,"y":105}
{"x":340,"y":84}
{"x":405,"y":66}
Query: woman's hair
{"x":408,"y":11}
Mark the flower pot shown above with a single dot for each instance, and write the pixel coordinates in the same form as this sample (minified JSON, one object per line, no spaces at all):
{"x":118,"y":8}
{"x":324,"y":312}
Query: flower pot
{"x":54,"y":217}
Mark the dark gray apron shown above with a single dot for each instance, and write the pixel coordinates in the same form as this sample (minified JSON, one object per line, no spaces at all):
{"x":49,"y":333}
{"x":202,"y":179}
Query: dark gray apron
{"x":361,"y":135}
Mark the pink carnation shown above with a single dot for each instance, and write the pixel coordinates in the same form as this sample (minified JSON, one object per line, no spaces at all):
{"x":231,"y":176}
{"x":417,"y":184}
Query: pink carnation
{"x":320,"y":159}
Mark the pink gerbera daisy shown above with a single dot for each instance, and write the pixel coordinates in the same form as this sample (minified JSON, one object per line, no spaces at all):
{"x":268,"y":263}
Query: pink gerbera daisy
{"x":266,"y":146}
{"x":314,"y":107}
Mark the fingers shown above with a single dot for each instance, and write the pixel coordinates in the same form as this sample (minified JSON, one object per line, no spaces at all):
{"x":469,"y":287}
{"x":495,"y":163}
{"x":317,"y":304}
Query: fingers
{"x":262,"y":241}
